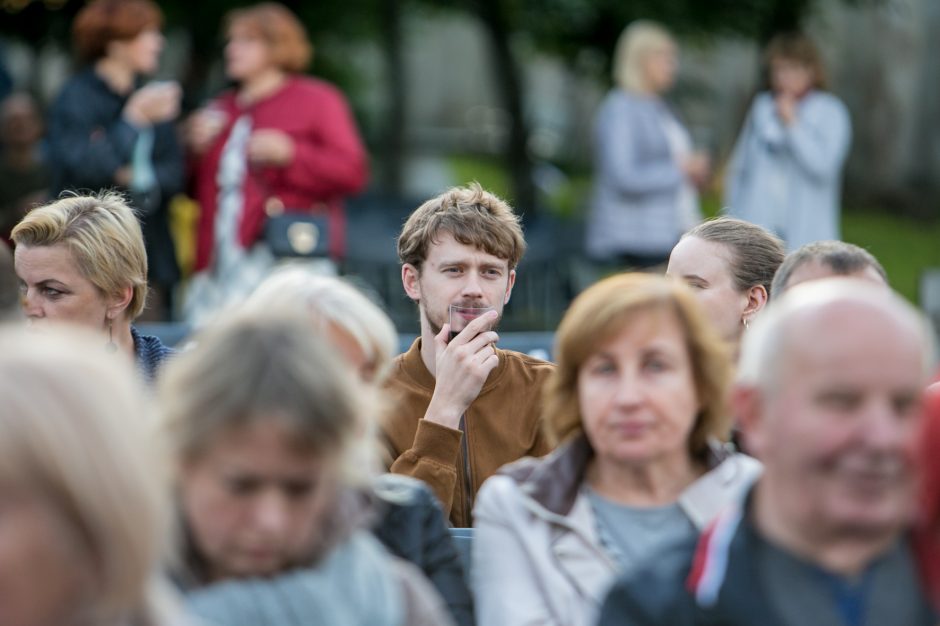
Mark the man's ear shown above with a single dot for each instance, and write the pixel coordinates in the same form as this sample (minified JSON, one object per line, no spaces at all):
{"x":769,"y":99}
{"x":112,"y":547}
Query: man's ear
{"x":119,"y":302}
{"x":746,"y":403}
{"x":410,"y":280}
{"x":509,"y":285}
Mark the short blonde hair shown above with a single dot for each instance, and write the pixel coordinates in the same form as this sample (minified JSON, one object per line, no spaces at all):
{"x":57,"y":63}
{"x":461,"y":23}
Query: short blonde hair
{"x":104,"y":237}
{"x":474,"y":217}
{"x":256,"y":367}
{"x":602,"y":311}
{"x":636,"y":42}
{"x":330,"y":300}
{"x":72,"y":432}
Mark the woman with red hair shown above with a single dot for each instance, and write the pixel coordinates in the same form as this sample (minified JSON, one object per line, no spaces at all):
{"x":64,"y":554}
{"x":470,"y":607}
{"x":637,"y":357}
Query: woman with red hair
{"x":277,"y":142}
{"x":108,"y":129}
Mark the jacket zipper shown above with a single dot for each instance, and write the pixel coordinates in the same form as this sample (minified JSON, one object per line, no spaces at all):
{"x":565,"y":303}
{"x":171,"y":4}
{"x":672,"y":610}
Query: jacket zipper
{"x":467,"y":478}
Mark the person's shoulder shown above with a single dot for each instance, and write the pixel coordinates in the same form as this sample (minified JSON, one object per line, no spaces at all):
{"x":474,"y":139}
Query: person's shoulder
{"x":400,"y":377}
{"x":738,"y":469}
{"x":621,"y":100}
{"x":310,"y":87}
{"x":502,"y":489}
{"x":401,"y":490}
{"x":78,"y":89}
{"x":397,"y":369}
{"x":827,"y":102}
{"x":512,"y":482}
{"x":151,"y":346}
{"x":522,"y":362}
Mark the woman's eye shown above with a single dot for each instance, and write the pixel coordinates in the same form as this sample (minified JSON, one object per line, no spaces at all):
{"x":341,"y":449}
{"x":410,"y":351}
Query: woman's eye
{"x":299,"y":489}
{"x":603,"y":368}
{"x":242,"y":486}
{"x":49,"y":292}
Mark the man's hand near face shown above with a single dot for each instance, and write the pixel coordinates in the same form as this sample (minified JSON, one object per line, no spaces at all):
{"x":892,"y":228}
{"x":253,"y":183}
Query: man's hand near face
{"x":461,"y":368}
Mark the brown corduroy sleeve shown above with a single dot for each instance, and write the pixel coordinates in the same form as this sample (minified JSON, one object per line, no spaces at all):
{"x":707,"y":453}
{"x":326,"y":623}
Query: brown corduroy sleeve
{"x":432,"y":458}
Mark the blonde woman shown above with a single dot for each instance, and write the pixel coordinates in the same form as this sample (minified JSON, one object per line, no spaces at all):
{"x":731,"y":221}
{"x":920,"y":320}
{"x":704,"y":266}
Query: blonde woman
{"x":645,"y":170}
{"x":361,"y":332}
{"x":637,"y":404}
{"x":81,"y":260}
{"x":269,"y":481}
{"x":83,"y":495}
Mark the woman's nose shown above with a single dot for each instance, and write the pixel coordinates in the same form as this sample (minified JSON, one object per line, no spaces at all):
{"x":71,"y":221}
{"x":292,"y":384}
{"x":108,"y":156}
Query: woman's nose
{"x":30,"y":304}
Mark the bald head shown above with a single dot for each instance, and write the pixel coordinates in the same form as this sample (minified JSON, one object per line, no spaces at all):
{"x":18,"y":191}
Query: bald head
{"x":849,"y":310}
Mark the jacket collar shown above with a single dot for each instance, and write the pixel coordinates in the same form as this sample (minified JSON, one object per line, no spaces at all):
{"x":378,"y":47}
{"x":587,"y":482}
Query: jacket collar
{"x":723,"y":579}
{"x":413,"y":365}
{"x":150,"y":353}
{"x":554,"y":481}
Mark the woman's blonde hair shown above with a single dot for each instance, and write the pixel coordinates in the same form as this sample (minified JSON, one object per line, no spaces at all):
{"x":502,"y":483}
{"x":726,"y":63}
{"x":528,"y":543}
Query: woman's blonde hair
{"x":331,"y":301}
{"x":259,"y":367}
{"x":73,"y":433}
{"x":636,"y":42}
{"x":104,"y":237}
{"x":601,"y":312}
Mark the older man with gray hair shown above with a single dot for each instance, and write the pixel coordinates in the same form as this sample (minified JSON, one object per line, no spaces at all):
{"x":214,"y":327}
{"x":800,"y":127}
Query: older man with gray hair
{"x":826,"y":259}
{"x":829,"y":398}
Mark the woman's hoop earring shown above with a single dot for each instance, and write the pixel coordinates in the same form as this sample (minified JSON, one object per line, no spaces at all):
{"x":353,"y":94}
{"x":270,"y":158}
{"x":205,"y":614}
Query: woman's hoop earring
{"x":111,"y":346}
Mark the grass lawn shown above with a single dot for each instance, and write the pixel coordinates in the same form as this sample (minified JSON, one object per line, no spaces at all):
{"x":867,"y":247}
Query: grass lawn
{"x":905,"y":246}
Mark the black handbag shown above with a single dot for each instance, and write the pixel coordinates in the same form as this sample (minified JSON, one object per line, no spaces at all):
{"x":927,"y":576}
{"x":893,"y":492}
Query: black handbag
{"x":296,"y":234}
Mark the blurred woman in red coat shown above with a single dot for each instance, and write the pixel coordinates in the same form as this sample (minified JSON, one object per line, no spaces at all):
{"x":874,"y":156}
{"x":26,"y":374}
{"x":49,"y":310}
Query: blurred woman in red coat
{"x":277,"y":141}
